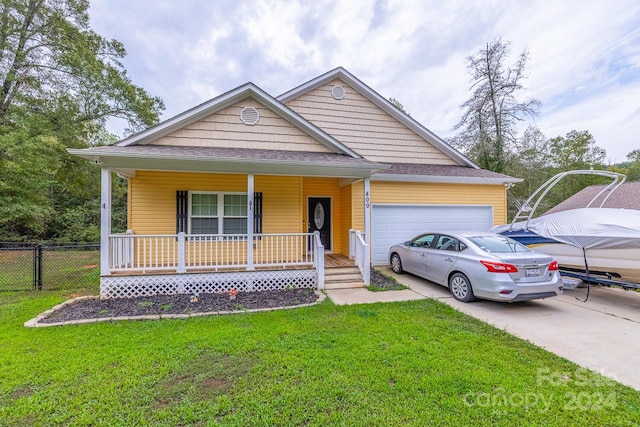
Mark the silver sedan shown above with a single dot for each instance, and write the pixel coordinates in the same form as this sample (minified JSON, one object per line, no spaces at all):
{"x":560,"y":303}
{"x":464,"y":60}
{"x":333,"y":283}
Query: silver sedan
{"x":482,"y":265}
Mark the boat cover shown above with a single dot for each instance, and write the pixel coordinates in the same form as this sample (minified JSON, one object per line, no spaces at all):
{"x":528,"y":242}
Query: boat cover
{"x":604,"y":228}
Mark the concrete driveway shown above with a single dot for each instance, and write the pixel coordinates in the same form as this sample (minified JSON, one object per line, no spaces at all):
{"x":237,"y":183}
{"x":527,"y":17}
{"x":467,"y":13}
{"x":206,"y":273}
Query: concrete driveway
{"x":602,"y":334}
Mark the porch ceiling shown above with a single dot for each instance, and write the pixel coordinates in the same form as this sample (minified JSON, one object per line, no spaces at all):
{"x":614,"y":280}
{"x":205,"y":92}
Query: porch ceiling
{"x":228,"y":160}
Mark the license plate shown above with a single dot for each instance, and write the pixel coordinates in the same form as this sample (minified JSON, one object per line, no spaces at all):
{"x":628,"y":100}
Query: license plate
{"x":533,"y":272}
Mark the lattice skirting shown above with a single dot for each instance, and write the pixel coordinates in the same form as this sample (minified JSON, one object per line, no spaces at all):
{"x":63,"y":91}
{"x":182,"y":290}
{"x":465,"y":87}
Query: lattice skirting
{"x":191,"y":283}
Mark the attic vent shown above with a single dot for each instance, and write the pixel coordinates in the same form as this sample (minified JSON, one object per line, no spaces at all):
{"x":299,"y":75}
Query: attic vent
{"x":249,"y":116}
{"x":338,"y":92}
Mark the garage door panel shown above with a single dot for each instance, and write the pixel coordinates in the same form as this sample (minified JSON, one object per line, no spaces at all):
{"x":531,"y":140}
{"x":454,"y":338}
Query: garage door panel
{"x":393,"y":224}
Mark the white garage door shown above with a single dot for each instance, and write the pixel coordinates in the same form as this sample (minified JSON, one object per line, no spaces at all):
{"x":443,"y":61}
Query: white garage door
{"x":397,"y":223}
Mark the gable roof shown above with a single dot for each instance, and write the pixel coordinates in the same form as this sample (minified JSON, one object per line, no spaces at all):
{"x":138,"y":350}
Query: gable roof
{"x":248,"y":90}
{"x":627,"y":196}
{"x":381,"y":103}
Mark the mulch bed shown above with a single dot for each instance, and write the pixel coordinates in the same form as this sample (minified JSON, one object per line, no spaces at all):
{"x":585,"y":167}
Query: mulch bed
{"x":179,"y":304}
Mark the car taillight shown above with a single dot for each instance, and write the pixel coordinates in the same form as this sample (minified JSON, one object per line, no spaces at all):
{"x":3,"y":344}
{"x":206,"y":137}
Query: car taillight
{"x":498,"y":267}
{"x":554,"y":266}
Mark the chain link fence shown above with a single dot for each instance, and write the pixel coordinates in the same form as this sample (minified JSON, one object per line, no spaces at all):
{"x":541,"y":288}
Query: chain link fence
{"x":27,"y":266}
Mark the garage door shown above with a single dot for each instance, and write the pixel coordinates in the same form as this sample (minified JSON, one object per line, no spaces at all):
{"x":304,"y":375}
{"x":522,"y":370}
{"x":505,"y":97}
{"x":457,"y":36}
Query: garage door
{"x":397,"y":223}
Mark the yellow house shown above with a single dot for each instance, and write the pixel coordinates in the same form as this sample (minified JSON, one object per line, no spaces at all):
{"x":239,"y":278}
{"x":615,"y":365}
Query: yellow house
{"x":252,"y":192}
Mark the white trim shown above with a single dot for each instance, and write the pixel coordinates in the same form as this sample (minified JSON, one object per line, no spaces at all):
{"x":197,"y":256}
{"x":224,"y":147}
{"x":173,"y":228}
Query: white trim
{"x":368,"y":228}
{"x":435,"y":205}
{"x":384,"y":105}
{"x":250,"y":220}
{"x":170,"y":162}
{"x":443,"y":179}
{"x":127,"y":286}
{"x":105,"y":219}
{"x":220,"y":214}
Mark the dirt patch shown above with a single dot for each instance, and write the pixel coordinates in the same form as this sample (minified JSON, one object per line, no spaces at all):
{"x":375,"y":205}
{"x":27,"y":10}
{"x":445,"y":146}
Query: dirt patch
{"x":179,"y":304}
{"x":202,"y":378}
{"x":380,"y":282}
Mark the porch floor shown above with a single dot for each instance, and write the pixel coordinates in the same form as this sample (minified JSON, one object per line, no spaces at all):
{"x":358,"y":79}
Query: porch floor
{"x":337,"y":261}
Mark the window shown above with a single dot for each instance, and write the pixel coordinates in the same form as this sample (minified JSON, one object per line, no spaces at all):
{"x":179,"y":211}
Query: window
{"x":498,"y":244}
{"x":446,"y":243}
{"x":423,"y":241}
{"x":218,"y":213}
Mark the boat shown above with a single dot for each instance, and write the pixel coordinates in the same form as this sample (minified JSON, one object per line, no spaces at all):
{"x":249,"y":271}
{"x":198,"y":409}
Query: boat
{"x":594,"y":243}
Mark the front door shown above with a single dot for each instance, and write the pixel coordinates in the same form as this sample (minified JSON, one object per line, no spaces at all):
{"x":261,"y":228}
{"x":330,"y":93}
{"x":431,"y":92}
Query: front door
{"x":319,"y":219}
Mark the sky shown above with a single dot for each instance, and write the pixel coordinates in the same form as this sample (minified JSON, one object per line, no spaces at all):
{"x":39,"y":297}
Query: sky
{"x":584,"y":55}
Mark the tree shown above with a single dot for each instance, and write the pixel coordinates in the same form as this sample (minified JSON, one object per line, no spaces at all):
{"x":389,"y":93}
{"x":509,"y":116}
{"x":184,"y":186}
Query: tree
{"x":51,"y":61}
{"x":398,"y":105}
{"x":531,"y":160}
{"x":576,"y":150}
{"x":59,"y":84}
{"x":633,"y":170}
{"x":488,"y":124}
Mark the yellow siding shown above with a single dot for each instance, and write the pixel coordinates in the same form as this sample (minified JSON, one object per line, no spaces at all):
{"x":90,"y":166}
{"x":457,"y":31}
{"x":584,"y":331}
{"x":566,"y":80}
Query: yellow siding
{"x":365,"y":128}
{"x":442,"y":194}
{"x":327,"y":187}
{"x":153,"y":199}
{"x":346,"y":216}
{"x":357,"y":205}
{"x":224,"y":129}
{"x":281,"y":204}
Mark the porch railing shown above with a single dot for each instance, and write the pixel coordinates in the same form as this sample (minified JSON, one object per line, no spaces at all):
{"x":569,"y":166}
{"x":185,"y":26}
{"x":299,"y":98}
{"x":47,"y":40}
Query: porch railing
{"x":182,"y":252}
{"x":359,"y":250}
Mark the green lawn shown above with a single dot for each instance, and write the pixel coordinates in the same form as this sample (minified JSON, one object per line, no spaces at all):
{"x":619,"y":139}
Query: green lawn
{"x":62,"y":269}
{"x":414,"y":363}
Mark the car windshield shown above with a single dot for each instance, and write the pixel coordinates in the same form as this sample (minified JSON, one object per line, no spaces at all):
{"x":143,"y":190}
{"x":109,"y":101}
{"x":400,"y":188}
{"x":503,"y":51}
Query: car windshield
{"x":498,"y":244}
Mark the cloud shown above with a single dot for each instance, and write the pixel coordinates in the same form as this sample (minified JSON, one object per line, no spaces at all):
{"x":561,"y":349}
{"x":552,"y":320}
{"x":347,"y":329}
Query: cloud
{"x":584,"y":54}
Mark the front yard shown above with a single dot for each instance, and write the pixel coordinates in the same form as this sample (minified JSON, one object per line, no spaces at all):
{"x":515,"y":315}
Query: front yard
{"x":412,"y":363}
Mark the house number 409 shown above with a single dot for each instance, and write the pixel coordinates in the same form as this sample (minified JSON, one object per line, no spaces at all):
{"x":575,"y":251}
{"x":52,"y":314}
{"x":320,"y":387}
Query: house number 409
{"x":366,"y":200}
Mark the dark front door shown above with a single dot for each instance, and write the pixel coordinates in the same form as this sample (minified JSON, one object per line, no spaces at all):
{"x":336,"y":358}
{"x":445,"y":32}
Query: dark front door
{"x":319,"y":219}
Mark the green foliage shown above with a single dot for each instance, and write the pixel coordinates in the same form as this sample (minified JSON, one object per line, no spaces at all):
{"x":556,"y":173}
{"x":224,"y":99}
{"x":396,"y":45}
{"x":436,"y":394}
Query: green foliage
{"x":538,"y":158}
{"x":398,"y":105}
{"x":59,"y":83}
{"x":633,"y":170}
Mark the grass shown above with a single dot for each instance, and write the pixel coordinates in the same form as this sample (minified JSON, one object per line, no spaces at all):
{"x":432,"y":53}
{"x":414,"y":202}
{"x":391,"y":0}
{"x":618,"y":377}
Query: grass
{"x":62,"y":269}
{"x":410,"y":363}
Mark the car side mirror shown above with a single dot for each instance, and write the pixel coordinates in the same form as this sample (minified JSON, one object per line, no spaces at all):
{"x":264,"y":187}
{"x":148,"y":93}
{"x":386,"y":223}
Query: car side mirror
{"x":407,"y":243}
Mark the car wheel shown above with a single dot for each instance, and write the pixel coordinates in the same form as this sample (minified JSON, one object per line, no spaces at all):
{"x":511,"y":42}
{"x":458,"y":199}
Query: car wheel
{"x":460,"y":288}
{"x":396,"y":264}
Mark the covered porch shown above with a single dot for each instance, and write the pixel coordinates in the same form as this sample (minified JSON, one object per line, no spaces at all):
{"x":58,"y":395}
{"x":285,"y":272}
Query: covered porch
{"x":278,"y":252}
{"x":182,"y":263}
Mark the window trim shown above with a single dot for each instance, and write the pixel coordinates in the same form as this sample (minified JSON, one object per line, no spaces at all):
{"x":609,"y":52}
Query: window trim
{"x":220,"y":214}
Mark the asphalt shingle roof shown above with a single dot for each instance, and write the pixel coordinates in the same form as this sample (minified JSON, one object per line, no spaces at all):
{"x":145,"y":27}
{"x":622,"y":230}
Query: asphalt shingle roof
{"x":231,"y":153}
{"x":440,"y":170}
{"x":627,"y":196}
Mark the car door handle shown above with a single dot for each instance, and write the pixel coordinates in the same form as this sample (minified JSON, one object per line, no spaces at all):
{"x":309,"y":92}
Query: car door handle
{"x":423,"y":255}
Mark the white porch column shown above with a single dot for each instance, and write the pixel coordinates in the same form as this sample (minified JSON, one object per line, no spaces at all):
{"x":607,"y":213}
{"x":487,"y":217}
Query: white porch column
{"x":367,"y":210}
{"x":250,"y":231}
{"x":105,"y":220}
{"x":368,"y":231}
